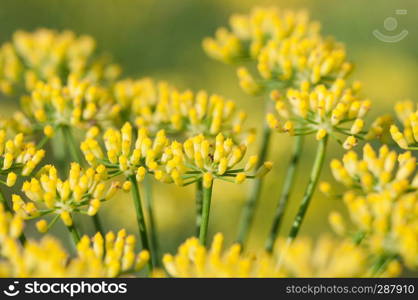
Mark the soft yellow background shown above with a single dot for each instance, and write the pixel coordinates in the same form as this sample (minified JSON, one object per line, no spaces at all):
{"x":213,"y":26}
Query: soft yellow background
{"x":163,"y":39}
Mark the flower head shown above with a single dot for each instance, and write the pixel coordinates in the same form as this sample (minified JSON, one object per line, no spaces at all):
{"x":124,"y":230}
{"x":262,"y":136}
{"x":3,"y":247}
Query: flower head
{"x":46,"y":54}
{"x":111,"y":255}
{"x":159,"y":106}
{"x":250,"y":33}
{"x":194,"y":260}
{"x":82,"y":192}
{"x":210,"y":160}
{"x":122,"y":154}
{"x":328,"y":258}
{"x":407,"y":138}
{"x":382,"y":200}
{"x":287,"y":47}
{"x":78,"y":104}
{"x":385,"y":171}
{"x":322,"y":111}
{"x":17,"y":157}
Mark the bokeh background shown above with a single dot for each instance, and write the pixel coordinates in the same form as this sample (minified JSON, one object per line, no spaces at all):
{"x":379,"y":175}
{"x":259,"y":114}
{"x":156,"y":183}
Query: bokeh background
{"x":162,"y":39}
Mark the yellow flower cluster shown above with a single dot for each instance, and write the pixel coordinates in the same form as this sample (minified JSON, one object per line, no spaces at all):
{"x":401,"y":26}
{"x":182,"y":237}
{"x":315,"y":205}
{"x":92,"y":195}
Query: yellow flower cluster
{"x":327,"y":258}
{"x":46,"y":54}
{"x":82,"y":192}
{"x":218,"y":160}
{"x":110,"y":256}
{"x":46,"y":258}
{"x":377,"y":172}
{"x":250,"y":33}
{"x":286,"y":45}
{"x":78,"y":104}
{"x":322,"y":111}
{"x":407,"y":112}
{"x":124,"y":156}
{"x":194,"y":260}
{"x":169,"y":161}
{"x":161,"y":106}
{"x":382,"y":200}
{"x":17,"y":157}
{"x":294,"y":60}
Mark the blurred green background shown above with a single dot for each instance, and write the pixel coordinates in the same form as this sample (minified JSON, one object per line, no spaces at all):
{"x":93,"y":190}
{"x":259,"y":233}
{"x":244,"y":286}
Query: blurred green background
{"x":162,"y":39}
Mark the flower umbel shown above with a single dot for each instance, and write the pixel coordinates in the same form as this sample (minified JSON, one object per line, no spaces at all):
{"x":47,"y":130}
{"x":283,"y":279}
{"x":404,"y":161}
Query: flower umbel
{"x":83,"y":192}
{"x":323,"y":111}
{"x":111,"y":255}
{"x":218,"y":160}
{"x":382,"y":199}
{"x":250,"y":33}
{"x":78,"y":104}
{"x":17,"y":157}
{"x":159,"y":106}
{"x":327,"y":258}
{"x":45,"y":54}
{"x":407,"y":112}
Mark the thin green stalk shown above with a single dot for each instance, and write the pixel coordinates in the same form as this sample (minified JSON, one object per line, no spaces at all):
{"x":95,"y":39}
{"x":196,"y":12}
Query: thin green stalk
{"x":42,"y":142}
{"x":74,"y":234}
{"x":5,"y":202}
{"x":140,"y":218}
{"x":199,"y":205}
{"x":155,"y":247}
{"x":251,"y":203}
{"x":313,"y":181}
{"x":98,"y":224}
{"x":207,"y":197}
{"x":285,"y":195}
{"x":70,"y":142}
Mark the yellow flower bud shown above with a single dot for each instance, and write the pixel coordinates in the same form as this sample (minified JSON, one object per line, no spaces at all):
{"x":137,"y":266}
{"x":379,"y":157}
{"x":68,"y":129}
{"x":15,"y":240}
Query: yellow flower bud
{"x":240,"y":177}
{"x":42,"y":226}
{"x":127,"y":185}
{"x":207,"y":180}
{"x":321,"y":133}
{"x":66,"y":218}
{"x":49,"y":131}
{"x":11,"y":179}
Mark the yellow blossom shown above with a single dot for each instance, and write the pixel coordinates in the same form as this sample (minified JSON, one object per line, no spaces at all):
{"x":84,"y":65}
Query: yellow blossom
{"x":335,"y":111}
{"x":79,"y":193}
{"x":45,"y":54}
{"x":407,"y":137}
{"x":328,"y":258}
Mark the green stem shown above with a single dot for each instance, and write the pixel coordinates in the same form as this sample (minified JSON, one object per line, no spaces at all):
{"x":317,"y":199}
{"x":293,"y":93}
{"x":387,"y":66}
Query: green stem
{"x":71,"y":144}
{"x":42,"y":142}
{"x":140,"y":219}
{"x":313,"y":181}
{"x":155,"y":247}
{"x":98,"y":224}
{"x":207,"y":197}
{"x":285,"y":195}
{"x":199,"y":203}
{"x":5,"y":202}
{"x":251,"y":203}
{"x":74,"y":233}
{"x":381,"y":264}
